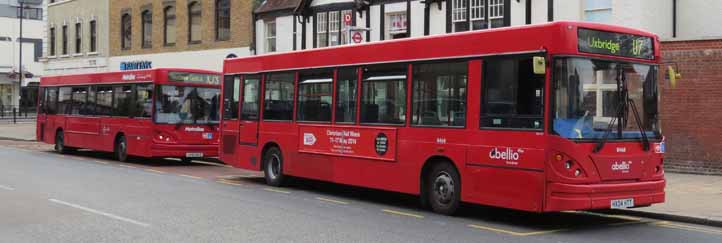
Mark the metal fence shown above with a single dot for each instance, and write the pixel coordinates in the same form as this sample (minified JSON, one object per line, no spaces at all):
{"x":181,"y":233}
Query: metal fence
{"x":15,"y":113}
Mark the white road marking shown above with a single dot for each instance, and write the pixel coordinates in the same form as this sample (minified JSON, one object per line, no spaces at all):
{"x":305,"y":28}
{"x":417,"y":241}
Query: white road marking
{"x":109,"y":215}
{"x":7,"y":188}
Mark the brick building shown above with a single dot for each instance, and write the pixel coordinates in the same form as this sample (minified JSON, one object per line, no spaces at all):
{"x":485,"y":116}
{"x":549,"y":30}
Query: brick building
{"x":690,"y":112}
{"x":178,"y":33}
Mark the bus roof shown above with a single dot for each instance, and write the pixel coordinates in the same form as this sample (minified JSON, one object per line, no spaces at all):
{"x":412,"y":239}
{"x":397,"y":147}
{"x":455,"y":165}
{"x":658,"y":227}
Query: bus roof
{"x":116,"y":77}
{"x":555,"y":37}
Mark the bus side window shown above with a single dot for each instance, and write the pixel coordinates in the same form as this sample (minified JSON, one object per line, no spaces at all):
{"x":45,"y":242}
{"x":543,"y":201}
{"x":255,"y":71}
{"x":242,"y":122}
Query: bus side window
{"x":439,"y":94}
{"x":64,"y":100}
{"x":122,"y":100}
{"x":346,"y":93}
{"x":251,"y":97}
{"x":143,"y":106}
{"x":315,"y":96}
{"x":104,"y":100}
{"x":231,"y":97}
{"x":42,"y":94}
{"x":383,"y":96}
{"x":512,"y":94}
{"x":51,"y":101}
{"x":278,"y":97}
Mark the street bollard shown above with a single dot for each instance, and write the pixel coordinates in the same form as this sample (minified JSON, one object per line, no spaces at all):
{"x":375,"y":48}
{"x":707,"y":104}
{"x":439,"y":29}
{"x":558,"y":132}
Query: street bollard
{"x":15,"y":118}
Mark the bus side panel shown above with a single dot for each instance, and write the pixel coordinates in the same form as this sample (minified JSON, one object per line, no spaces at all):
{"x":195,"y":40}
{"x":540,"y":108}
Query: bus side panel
{"x":507,"y":169}
{"x":283,"y":134}
{"x":82,"y":132}
{"x":422,"y":144}
{"x":137,"y":133}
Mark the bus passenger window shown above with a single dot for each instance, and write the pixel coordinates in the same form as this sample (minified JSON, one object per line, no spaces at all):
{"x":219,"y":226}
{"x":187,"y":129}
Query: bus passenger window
{"x":439,"y":94}
{"x":513,"y":95}
{"x":122,"y":100}
{"x":231,"y":97}
{"x":251,"y":98}
{"x":104,"y":100}
{"x":51,"y":101}
{"x":346,"y":91}
{"x":315,"y":96}
{"x":383,"y":98}
{"x":278,"y":99}
{"x":64,"y":100}
{"x":143,"y":101}
{"x":80,"y":99}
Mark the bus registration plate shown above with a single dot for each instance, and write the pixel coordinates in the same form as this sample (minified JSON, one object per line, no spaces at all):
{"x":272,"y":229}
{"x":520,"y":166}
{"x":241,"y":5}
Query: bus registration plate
{"x":194,"y":155}
{"x":623,"y":203}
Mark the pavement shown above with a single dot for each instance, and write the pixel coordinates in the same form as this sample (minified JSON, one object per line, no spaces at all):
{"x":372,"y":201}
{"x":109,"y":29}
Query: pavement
{"x":690,"y":198}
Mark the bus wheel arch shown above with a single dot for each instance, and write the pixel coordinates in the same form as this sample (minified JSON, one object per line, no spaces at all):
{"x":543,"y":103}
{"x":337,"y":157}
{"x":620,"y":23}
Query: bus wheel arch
{"x":120,"y":147}
{"x":447,"y":174}
{"x":59,"y":141}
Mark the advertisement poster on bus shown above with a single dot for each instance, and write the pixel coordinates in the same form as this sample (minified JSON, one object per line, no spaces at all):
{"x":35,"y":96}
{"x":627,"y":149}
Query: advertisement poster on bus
{"x":368,"y":143}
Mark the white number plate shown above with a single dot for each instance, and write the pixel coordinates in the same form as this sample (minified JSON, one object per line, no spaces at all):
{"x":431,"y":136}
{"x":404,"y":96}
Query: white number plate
{"x":623,"y":203}
{"x":194,"y":155}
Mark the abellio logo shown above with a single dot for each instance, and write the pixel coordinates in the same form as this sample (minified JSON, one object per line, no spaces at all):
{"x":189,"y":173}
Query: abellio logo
{"x":505,"y":154}
{"x":624,"y":166}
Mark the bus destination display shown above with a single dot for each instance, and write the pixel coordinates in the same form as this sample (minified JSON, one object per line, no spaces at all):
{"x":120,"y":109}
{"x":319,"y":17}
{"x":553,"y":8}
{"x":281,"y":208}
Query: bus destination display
{"x":198,"y":78}
{"x":615,"y":44}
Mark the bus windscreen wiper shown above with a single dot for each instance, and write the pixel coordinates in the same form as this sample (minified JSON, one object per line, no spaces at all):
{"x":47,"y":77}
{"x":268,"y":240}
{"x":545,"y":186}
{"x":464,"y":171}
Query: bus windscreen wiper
{"x":623,"y":105}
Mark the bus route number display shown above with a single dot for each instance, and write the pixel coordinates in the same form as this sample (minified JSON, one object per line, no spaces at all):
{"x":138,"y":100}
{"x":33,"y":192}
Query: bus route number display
{"x":615,"y":44}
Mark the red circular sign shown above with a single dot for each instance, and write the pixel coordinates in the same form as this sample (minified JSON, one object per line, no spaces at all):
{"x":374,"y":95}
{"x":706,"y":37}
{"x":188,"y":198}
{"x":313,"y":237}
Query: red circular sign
{"x":357,"y":38}
{"x":347,"y":18}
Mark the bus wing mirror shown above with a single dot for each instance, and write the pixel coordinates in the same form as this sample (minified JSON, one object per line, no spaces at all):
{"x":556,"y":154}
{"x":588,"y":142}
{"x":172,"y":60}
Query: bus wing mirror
{"x":540,"y":65}
{"x":673,"y":76}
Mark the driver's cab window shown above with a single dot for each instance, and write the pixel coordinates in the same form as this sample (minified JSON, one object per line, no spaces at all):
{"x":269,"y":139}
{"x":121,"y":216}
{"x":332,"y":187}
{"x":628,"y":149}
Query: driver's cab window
{"x":513,"y":96}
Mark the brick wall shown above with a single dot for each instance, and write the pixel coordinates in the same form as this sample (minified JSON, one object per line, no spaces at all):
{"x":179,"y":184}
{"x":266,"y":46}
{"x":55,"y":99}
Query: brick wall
{"x":241,"y":24}
{"x":691,"y":113}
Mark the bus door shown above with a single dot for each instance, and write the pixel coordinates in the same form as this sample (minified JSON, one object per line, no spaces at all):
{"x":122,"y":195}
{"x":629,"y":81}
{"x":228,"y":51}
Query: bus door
{"x":250,"y":107}
{"x":231,"y":100}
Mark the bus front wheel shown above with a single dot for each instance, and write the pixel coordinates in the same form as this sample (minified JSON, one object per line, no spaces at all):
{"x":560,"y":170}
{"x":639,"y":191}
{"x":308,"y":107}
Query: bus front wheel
{"x":444,"y":189}
{"x":121,"y":149}
{"x":273,"y":167}
{"x":60,"y":143}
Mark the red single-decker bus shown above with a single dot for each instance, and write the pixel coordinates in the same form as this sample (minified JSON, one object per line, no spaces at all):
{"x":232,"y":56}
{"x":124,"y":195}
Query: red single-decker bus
{"x":148,"y":113}
{"x":549,"y":117}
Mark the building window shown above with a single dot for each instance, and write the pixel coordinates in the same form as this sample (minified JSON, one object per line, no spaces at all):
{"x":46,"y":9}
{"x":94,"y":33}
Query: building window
{"x":78,"y":38}
{"x":65,"y":40}
{"x":169,"y":29}
{"x":271,"y":36}
{"x":331,"y":28}
{"x":93,"y":36}
{"x":147,"y":29}
{"x":125,"y":31}
{"x":479,"y":10}
{"x":397,"y":25}
{"x":599,"y":11}
{"x":223,"y":20}
{"x":322,"y":29}
{"x":52,"y":41}
{"x":194,"y":22}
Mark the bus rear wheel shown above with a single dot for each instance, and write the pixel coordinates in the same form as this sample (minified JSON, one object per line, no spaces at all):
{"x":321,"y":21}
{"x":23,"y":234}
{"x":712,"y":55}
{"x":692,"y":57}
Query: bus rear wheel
{"x":121,"y":149}
{"x":444,"y":189}
{"x":273,"y":167}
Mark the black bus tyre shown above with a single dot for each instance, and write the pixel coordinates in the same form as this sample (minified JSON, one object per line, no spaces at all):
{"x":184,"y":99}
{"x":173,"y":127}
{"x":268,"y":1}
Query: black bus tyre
{"x":273,"y":167}
{"x":444,"y":189}
{"x":60,"y":143}
{"x":121,"y":149}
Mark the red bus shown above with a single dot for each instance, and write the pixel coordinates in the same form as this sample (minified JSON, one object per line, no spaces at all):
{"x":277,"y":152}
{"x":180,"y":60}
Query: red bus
{"x":150,"y":113}
{"x":550,"y":117}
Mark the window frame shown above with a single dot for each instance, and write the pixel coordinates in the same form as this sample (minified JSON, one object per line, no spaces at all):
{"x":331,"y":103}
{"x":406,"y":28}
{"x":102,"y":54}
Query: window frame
{"x":78,"y":38}
{"x":356,"y":101}
{"x":361,"y":94}
{"x":53,"y":38}
{"x":467,"y":62}
{"x":93,"y":36}
{"x":264,"y":88}
{"x":126,"y":31}
{"x":220,"y":8}
{"x":268,"y":37}
{"x":483,"y":100}
{"x":259,"y":95}
{"x":64,"y":40}
{"x":192,"y":14}
{"x":146,"y":29}
{"x":297,"y":101}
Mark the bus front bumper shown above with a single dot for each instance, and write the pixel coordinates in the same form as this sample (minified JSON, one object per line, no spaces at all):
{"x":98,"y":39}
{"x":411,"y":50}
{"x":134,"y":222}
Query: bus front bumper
{"x":184,"y":150}
{"x":561,"y":196}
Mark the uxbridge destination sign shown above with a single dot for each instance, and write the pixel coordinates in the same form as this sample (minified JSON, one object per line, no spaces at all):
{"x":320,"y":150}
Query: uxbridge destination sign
{"x":615,"y":44}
